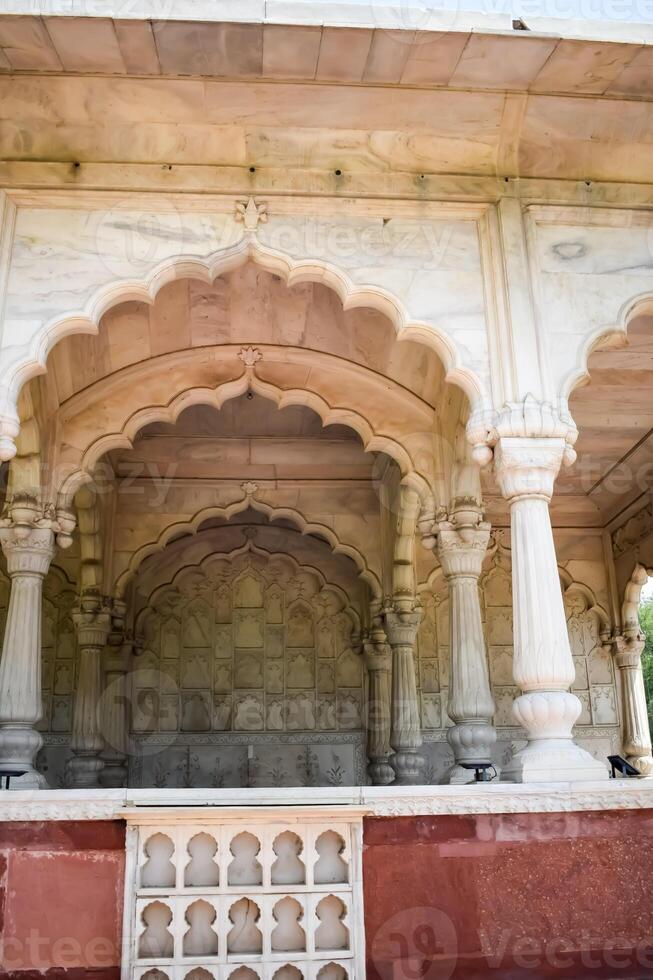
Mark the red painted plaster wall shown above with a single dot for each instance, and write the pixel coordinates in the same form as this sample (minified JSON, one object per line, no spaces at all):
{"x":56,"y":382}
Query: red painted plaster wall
{"x":61,"y":900}
{"x":509,"y":896}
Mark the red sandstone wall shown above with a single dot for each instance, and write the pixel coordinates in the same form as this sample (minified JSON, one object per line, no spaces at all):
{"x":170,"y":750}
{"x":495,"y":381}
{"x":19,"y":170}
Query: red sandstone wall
{"x":61,"y":900}
{"x":511,"y":896}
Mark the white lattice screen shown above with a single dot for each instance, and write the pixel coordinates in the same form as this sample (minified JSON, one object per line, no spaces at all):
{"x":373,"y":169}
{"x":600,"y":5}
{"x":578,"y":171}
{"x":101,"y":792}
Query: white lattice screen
{"x":244,"y":897}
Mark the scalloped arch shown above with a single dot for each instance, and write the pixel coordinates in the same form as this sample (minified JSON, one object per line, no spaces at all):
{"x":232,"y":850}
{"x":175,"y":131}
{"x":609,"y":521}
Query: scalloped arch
{"x":303,"y":526}
{"x":293,"y":271}
{"x":257,"y":550}
{"x":217,"y":397}
{"x":615,"y":335}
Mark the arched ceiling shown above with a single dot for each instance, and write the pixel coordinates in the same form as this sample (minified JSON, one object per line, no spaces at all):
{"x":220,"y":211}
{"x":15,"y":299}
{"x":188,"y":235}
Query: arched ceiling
{"x":613,"y":411}
{"x":614,"y":415}
{"x":248,"y":439}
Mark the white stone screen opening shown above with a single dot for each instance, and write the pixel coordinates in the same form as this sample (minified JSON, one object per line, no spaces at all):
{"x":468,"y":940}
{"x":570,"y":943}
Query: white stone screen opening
{"x":244,"y":899}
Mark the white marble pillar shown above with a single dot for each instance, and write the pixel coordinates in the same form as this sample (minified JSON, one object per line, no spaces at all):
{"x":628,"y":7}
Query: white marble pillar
{"x":378,"y":660}
{"x":27,"y":537}
{"x":526,"y":467}
{"x":461,"y":544}
{"x":92,"y":620}
{"x":401,"y":626}
{"x":636,"y":730}
{"x":114,"y":717}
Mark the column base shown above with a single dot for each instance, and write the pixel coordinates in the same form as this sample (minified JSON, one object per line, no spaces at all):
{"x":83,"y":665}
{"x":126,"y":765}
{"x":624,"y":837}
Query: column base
{"x":553,"y":760}
{"x":31,"y":780}
{"x":113,"y":775}
{"x":408,"y":766}
{"x":457,"y":776}
{"x":642,"y":762}
{"x":381,"y":772}
{"x":19,"y":745}
{"x":83,"y":772}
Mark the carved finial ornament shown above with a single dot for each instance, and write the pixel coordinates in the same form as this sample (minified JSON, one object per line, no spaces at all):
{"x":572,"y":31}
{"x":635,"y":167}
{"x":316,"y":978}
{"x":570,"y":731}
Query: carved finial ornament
{"x":250,"y":356}
{"x":251,"y":214}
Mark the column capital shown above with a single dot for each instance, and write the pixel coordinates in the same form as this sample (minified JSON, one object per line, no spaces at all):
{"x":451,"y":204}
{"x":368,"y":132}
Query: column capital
{"x":401,"y":626}
{"x":92,"y":619}
{"x":527,"y":437}
{"x":29,"y":531}
{"x":28,"y":550}
{"x":528,"y":467}
{"x":461,"y":539}
{"x":377,"y":650}
{"x":628,"y":650}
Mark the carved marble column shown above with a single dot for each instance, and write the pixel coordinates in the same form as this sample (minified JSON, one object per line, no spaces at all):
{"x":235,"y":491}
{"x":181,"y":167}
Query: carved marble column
{"x":27,"y":536}
{"x":461,"y":544}
{"x":636,"y":731}
{"x":543,"y":665}
{"x":401,"y":626}
{"x":92,"y":620}
{"x":378,"y":660}
{"x":114,"y":717}
{"x":530,"y":441}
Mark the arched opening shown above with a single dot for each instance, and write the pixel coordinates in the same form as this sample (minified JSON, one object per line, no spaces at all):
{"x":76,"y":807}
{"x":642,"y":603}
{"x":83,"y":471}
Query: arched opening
{"x":233,"y":425}
{"x":607,"y":493}
{"x":613,"y":413}
{"x":646,"y":624}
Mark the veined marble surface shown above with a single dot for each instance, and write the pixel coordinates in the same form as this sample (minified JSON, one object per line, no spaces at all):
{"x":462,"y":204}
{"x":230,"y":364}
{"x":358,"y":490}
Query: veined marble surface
{"x":588,"y":275}
{"x":71,"y":264}
{"x":102,"y":804}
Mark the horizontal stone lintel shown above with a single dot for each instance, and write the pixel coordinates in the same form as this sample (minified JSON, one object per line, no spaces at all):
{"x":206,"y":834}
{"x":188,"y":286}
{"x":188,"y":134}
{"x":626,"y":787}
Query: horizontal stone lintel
{"x":156,"y":805}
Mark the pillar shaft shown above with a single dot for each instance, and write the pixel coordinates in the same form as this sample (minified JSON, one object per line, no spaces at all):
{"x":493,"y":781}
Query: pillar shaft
{"x":543,"y":664}
{"x":378,"y":660}
{"x":93,"y":622}
{"x":406,"y":736}
{"x":461,"y":546}
{"x":114,"y":712}
{"x":29,"y":551}
{"x":637,"y":735}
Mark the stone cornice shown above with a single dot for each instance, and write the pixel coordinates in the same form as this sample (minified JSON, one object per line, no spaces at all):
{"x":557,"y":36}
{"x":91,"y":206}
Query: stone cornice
{"x":379,"y":801}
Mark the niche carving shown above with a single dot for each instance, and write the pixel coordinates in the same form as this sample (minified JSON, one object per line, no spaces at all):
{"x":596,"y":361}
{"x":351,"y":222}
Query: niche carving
{"x":248,"y":642}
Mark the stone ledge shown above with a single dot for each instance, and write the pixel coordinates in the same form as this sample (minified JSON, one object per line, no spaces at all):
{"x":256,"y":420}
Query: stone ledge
{"x":619,"y":794}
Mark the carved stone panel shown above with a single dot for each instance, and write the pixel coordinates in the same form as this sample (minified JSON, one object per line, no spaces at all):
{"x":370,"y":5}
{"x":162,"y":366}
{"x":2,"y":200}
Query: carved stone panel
{"x":248,"y":644}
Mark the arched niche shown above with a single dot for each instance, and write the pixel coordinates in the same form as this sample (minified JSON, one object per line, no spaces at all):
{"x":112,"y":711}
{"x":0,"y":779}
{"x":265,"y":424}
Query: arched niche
{"x":248,"y":645}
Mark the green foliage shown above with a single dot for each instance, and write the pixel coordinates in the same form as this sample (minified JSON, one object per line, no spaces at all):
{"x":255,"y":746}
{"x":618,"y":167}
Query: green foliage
{"x":646,"y":623}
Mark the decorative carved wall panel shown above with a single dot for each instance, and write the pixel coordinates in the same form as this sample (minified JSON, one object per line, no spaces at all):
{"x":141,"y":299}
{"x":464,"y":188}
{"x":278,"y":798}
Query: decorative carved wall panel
{"x":261,"y":650}
{"x":245,"y":899}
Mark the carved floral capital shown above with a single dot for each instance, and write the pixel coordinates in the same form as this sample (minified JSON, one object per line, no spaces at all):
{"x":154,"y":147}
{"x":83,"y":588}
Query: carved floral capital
{"x":377,"y":650}
{"x":461,"y":538}
{"x":401,"y":626}
{"x":93,"y":621}
{"x":628,"y":650}
{"x":498,"y":435}
{"x":24,"y":514}
{"x":527,"y":466}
